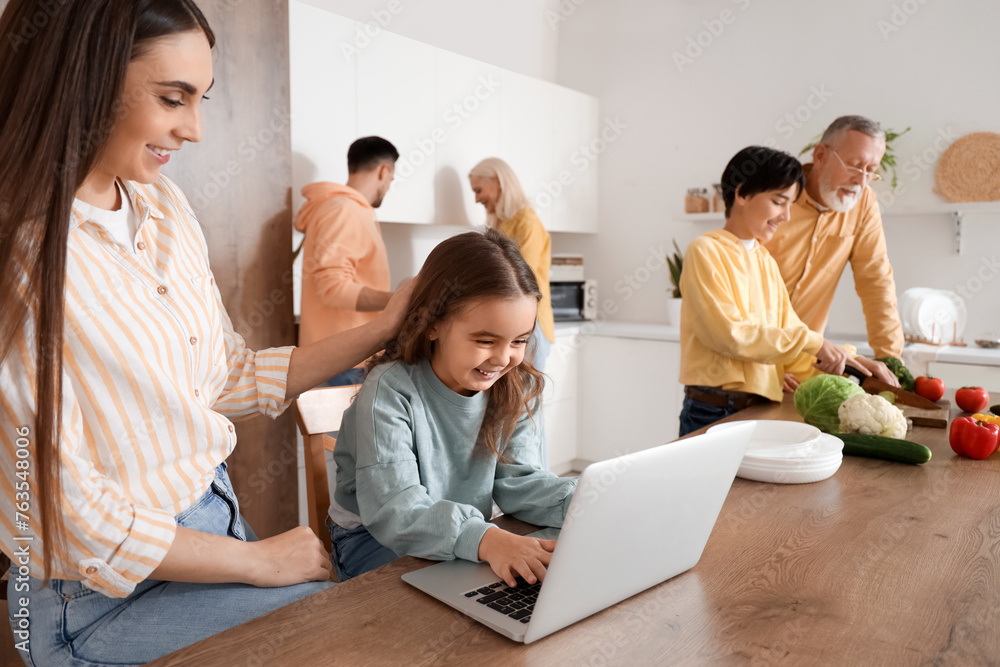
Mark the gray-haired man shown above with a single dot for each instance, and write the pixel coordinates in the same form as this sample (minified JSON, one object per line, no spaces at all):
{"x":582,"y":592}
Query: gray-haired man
{"x":838,"y":221}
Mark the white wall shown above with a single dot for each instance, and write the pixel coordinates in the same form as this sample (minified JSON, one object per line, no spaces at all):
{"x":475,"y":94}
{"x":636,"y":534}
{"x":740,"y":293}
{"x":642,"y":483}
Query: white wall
{"x":512,"y":34}
{"x":517,"y":35}
{"x":934,"y":69}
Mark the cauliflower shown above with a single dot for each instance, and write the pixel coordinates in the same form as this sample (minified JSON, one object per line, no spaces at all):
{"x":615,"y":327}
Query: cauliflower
{"x":869,"y":414}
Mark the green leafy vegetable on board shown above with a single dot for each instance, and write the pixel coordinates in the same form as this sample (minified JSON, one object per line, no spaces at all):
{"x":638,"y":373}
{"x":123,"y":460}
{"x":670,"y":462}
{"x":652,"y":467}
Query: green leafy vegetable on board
{"x":818,"y":400}
{"x":902,"y":373}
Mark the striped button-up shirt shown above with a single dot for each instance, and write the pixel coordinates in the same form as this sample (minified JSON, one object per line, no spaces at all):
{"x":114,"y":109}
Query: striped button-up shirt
{"x":153,"y":376}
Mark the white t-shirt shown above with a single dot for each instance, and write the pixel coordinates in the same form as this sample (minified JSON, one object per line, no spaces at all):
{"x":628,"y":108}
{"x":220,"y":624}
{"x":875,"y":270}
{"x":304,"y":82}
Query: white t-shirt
{"x":121,"y":224}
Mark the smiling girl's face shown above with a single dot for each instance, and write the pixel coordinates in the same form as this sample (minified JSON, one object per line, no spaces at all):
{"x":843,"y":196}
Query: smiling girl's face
{"x":482,"y":342}
{"x":160,"y":107}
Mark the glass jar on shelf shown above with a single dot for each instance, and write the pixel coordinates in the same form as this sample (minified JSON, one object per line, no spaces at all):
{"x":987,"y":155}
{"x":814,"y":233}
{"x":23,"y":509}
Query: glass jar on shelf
{"x":696,"y":201}
{"x":718,"y":203}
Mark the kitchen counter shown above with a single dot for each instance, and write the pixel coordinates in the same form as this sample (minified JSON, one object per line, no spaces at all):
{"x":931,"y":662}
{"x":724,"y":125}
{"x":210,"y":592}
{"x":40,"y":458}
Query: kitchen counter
{"x":973,"y":354}
{"x":917,"y":355}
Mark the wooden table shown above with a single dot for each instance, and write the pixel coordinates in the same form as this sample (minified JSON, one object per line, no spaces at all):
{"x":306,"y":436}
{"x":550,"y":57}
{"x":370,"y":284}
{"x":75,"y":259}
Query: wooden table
{"x":882,"y":564}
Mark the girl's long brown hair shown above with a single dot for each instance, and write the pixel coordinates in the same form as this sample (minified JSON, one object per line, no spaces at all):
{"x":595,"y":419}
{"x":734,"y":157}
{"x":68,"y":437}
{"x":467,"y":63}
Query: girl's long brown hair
{"x":466,"y":268}
{"x":62,"y":70}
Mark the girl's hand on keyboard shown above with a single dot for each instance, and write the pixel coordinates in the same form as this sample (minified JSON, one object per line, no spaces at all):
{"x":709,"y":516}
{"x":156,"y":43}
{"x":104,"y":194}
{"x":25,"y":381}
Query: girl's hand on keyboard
{"x":512,"y":555}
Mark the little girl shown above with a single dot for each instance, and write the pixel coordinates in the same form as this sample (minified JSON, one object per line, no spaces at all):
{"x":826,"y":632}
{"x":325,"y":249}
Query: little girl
{"x":445,"y":424}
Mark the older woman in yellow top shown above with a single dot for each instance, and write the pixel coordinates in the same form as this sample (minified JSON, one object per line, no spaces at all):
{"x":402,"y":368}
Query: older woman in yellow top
{"x":498,"y":189}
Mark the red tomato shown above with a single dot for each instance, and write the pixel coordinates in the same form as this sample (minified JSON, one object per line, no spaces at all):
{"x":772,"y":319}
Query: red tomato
{"x":932,"y":388}
{"x":972,"y":399}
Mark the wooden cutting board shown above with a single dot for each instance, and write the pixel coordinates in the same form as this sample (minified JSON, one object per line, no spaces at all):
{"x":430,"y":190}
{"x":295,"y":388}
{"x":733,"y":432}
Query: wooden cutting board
{"x":937,"y":418}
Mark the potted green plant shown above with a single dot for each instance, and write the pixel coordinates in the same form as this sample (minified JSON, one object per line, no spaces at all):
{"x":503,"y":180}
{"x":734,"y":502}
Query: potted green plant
{"x":888,"y":160}
{"x":675,"y":261}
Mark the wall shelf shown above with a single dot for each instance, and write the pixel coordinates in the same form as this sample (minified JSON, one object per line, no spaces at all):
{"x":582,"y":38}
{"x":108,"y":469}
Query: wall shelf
{"x":957,"y":211}
{"x":935,"y":208}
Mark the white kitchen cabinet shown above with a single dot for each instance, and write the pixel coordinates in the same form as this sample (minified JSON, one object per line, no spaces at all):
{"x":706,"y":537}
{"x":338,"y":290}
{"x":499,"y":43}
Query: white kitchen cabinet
{"x":576,"y":148}
{"x":395,"y":100}
{"x":467,"y":100}
{"x":322,"y":103}
{"x":444,"y":112}
{"x":560,"y":403}
{"x":324,"y":123}
{"x":630,"y":398}
{"x":967,"y":375}
{"x":526,"y":124}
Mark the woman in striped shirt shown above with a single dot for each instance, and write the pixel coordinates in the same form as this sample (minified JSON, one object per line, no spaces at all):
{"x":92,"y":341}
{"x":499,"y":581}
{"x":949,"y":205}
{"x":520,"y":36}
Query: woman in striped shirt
{"x":120,"y":372}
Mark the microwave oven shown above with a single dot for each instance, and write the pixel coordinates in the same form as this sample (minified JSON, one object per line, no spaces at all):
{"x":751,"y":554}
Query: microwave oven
{"x":574,"y":300}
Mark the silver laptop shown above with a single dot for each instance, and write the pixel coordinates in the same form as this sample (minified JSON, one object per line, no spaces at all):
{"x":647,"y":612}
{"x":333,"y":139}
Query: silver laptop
{"x":640,"y":519}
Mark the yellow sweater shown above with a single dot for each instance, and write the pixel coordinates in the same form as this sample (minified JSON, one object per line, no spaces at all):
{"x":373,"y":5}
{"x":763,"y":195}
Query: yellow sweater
{"x":738,"y":329}
{"x":536,"y":247}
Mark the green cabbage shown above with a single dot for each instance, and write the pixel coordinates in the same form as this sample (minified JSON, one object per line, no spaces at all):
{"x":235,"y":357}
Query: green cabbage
{"x":818,"y":399}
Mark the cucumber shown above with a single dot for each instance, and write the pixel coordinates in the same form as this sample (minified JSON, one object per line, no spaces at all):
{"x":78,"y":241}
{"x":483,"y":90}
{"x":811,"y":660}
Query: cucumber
{"x":889,"y":449}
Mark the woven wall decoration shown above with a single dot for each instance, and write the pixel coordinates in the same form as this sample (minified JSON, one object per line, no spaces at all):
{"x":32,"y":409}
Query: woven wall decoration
{"x":969,"y":169}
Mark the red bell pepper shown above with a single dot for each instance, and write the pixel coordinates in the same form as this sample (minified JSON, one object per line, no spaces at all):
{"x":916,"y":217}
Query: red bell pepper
{"x":973,"y":438}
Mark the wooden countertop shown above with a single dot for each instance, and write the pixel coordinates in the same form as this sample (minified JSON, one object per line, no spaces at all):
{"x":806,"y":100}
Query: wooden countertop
{"x":882,"y":564}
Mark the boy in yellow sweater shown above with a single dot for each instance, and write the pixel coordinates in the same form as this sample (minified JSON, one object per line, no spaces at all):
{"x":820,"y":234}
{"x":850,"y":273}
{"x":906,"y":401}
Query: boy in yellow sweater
{"x":739,"y":334}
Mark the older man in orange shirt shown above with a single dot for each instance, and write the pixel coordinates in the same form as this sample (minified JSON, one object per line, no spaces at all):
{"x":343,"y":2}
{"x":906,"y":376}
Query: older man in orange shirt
{"x":838,"y":221}
{"x":345,"y":271}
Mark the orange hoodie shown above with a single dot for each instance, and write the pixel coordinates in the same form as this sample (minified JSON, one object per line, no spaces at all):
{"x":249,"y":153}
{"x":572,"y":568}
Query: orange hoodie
{"x":343,"y":252}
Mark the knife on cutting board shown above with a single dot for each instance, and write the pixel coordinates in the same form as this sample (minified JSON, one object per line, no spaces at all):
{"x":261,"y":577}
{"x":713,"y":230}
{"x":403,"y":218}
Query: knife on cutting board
{"x":873,"y":385}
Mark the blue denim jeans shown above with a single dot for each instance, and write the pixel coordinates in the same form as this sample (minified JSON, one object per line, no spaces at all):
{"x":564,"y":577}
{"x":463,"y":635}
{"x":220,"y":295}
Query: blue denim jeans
{"x":73,"y":625}
{"x":695,"y":414}
{"x":348,"y":377}
{"x":356,"y":551}
{"x":542,"y":349}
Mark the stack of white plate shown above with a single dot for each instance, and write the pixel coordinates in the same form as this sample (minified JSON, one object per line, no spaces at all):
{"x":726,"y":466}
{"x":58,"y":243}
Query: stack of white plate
{"x":934,"y":314}
{"x":788,"y":452}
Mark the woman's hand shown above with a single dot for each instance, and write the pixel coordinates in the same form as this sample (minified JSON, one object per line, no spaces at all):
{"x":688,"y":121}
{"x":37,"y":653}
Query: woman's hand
{"x":293,"y":557}
{"x":319,"y":361}
{"x":391,"y":318}
{"x":832,"y":359}
{"x":511,"y":555}
{"x":878,"y":370}
{"x":790,"y":383}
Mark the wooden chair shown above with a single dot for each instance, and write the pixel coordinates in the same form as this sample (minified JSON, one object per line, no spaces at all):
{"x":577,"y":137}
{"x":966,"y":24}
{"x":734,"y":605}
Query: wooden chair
{"x":319,"y":412}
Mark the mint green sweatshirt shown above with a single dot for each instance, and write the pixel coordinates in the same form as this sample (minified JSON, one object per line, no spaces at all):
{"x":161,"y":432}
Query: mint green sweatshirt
{"x":408,"y":466}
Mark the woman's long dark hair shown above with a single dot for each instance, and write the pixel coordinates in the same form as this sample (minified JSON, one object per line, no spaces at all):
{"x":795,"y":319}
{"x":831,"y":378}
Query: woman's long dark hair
{"x":62,"y":72}
{"x":466,"y":268}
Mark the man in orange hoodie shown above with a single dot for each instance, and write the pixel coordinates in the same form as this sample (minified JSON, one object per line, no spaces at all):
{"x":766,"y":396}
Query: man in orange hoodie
{"x":345,"y":270}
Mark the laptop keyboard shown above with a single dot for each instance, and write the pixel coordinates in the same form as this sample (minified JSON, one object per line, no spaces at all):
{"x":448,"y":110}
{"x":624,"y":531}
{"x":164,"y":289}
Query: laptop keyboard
{"x":517,"y":602}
